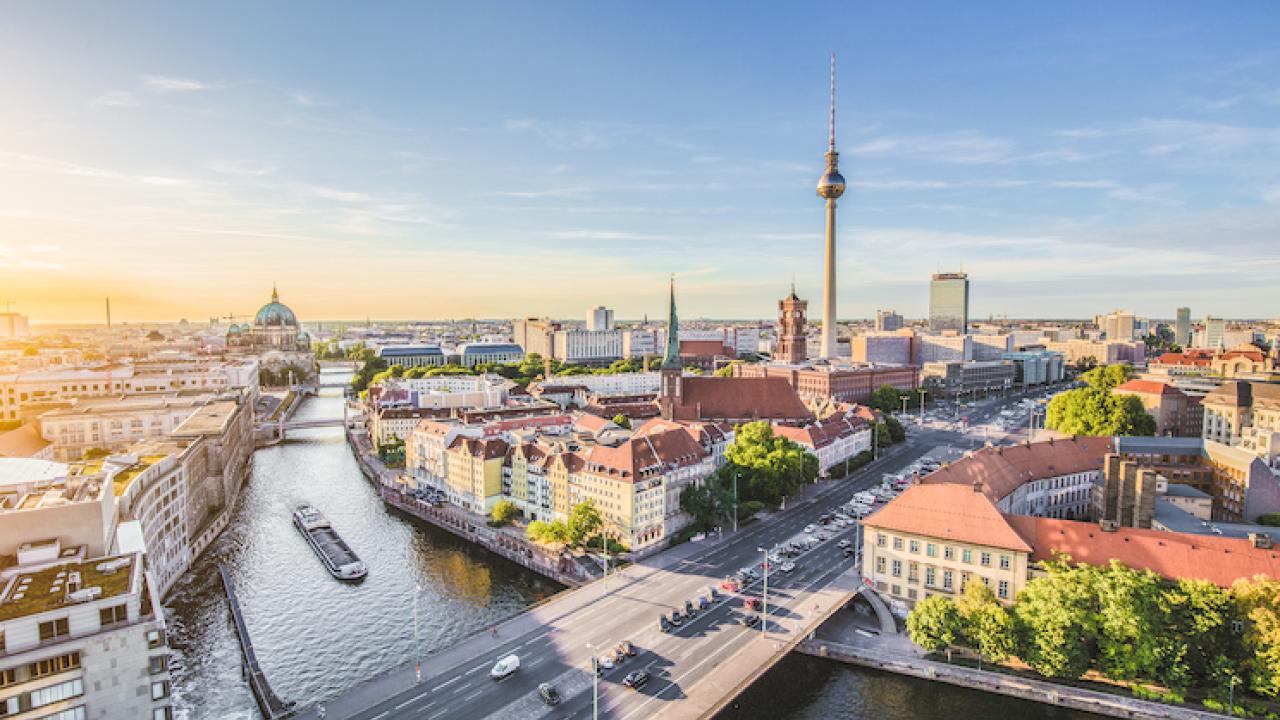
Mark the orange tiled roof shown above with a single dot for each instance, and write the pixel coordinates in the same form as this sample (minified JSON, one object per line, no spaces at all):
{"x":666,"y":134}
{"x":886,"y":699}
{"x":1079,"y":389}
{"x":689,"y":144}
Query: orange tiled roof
{"x":763,"y":398}
{"x":1173,"y":555}
{"x":1148,"y":387}
{"x":1004,"y":469}
{"x":948,"y":512}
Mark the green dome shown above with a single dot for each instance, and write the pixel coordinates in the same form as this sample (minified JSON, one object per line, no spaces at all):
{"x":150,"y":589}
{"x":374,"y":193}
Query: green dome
{"x":275,"y":314}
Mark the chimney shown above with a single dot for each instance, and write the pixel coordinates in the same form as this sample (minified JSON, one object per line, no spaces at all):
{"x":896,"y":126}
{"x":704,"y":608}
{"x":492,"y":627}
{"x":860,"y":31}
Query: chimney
{"x":1108,"y":525}
{"x":977,"y":486}
{"x":1262,"y":541}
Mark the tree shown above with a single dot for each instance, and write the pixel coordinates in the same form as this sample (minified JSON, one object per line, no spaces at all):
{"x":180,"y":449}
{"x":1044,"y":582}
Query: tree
{"x":622,"y":421}
{"x":727,"y":370}
{"x":372,"y":366}
{"x":769,"y":467}
{"x":886,"y":399}
{"x":988,"y":626}
{"x":1133,"y":627}
{"x":95,"y":453}
{"x":1056,"y":622}
{"x":584,"y":521}
{"x":935,"y":624}
{"x":548,"y":532}
{"x":1095,"y":410}
{"x":897,"y":433}
{"x":1202,"y":615}
{"x":708,"y":502}
{"x":504,"y":512}
{"x":1107,"y":377}
{"x":1258,"y":602}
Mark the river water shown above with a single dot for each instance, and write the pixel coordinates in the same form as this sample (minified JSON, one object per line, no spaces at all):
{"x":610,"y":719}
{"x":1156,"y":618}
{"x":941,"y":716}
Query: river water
{"x":315,"y":636}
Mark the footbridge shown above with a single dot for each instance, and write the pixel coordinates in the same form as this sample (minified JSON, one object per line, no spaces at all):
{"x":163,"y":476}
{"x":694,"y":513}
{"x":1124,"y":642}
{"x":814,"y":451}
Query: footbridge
{"x":694,"y":670}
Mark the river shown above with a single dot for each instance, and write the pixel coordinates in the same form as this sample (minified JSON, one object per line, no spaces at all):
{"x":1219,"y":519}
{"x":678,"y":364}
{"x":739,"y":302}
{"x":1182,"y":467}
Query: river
{"x":315,"y":636}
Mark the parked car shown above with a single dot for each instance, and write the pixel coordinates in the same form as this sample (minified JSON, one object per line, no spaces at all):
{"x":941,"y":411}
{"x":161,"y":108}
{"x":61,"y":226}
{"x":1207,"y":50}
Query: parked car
{"x":636,"y":679}
{"x":689,"y":609}
{"x":730,"y":585}
{"x":809,"y":529}
{"x":751,"y":603}
{"x":505,"y":667}
{"x":749,"y":620}
{"x":703,"y":603}
{"x":605,"y":661}
{"x":787,"y":567}
{"x":849,"y":552}
{"x":676,"y":618}
{"x":663,"y":624}
{"x":843,"y":544}
{"x":627,"y":648}
{"x":549,"y":694}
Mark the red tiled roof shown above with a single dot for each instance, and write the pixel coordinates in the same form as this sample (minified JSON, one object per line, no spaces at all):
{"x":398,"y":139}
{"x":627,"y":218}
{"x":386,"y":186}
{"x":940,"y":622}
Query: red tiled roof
{"x":762,"y":398}
{"x":645,"y":456}
{"x":591,"y":423}
{"x":1190,"y":357}
{"x":487,"y":449}
{"x":824,"y":432}
{"x":1004,"y":469}
{"x":1147,"y":387}
{"x":1173,"y":555}
{"x":948,"y":512}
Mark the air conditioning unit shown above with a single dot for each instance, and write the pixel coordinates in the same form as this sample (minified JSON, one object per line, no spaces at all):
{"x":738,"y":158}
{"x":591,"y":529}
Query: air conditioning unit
{"x":85,"y":595}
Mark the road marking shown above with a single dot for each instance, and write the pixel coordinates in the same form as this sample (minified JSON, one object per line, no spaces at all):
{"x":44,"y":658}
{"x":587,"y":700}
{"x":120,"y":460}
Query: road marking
{"x":382,"y":714}
{"x":410,"y":701}
{"x":449,"y":682}
{"x":472,"y":696}
{"x":433,"y":716}
{"x":475,"y":669}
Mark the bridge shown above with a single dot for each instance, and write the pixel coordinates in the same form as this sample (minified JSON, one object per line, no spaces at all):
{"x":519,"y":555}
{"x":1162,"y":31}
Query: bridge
{"x":269,"y":703}
{"x":279,"y":429}
{"x":696,"y":670}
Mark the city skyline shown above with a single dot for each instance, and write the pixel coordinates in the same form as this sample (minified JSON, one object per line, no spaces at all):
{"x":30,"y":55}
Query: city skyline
{"x":1066,"y":172}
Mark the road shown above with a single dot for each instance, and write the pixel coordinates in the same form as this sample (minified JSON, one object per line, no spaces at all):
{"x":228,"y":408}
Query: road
{"x":684,"y":663}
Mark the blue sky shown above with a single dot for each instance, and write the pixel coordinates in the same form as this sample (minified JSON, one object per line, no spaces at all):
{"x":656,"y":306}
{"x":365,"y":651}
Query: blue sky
{"x":491,"y":159}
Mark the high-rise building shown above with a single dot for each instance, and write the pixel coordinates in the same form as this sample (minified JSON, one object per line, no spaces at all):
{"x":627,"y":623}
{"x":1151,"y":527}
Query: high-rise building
{"x":599,"y":318}
{"x":1182,"y":327}
{"x":1215,"y":330}
{"x":949,"y":302}
{"x":791,"y":336}
{"x":830,"y":187}
{"x":1117,"y":326}
{"x":13,"y":325}
{"x":888,"y":321}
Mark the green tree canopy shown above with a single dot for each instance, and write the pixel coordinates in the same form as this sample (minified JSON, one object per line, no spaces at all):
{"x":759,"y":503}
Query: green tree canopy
{"x":1056,"y":621}
{"x":504,"y":512}
{"x":622,"y":421}
{"x":1095,"y":410}
{"x":1258,"y":601}
{"x":769,"y":467}
{"x":584,"y":521}
{"x":988,"y":626}
{"x":887,"y":399}
{"x":1133,"y":625}
{"x":935,"y":624}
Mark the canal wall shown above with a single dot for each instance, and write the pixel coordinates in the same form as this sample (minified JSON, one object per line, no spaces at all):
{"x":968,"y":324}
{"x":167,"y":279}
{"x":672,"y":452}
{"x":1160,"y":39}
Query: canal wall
{"x":1039,"y":691}
{"x":561,"y":568}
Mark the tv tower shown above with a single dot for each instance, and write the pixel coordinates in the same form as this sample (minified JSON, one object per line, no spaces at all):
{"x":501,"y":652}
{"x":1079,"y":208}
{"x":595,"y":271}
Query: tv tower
{"x":830,"y":187}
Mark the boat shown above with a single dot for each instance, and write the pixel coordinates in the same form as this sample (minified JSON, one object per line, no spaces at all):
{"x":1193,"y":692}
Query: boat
{"x":338,"y":557}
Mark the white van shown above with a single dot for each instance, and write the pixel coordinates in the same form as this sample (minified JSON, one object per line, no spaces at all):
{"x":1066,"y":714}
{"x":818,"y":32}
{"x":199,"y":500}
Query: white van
{"x":864,"y":498}
{"x":505,"y":667}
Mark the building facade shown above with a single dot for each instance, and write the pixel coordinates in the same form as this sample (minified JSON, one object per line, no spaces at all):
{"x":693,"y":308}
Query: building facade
{"x":791,"y":346}
{"x":949,"y":303}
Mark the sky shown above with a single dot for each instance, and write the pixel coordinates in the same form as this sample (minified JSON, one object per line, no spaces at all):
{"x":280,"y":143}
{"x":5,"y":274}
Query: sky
{"x":434,"y":161}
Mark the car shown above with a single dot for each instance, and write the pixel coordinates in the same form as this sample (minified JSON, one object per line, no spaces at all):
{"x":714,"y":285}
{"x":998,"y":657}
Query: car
{"x":703,"y":603}
{"x":618,"y":656}
{"x":627,"y":648}
{"x":787,"y":567}
{"x":549,"y":694}
{"x":605,"y":661}
{"x":713,"y":593}
{"x":505,"y":667}
{"x":689,"y":609}
{"x":823,"y":536}
{"x":849,"y":552}
{"x":749,"y":620}
{"x":663,"y":624}
{"x":730,"y":585}
{"x":636,"y":679}
{"x":843,"y":544}
{"x":751,"y":603}
{"x":809,"y":529}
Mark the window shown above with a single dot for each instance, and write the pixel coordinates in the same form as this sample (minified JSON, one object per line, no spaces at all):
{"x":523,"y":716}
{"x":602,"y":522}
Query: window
{"x":56,"y":693}
{"x":931,"y":550}
{"x":897,"y":543}
{"x":160,"y":690}
{"x":155,"y":638}
{"x":8,"y":677}
{"x":966,"y":555}
{"x":114,"y":614}
{"x":162,"y":713}
{"x":948,"y":552}
{"x":53,"y":629}
{"x":985,"y":558}
{"x":880,"y":565}
{"x":54,"y":665}
{"x":158,"y":664}
{"x":896,"y":590}
{"x":1004,"y":562}
{"x":1003,"y":590}
{"x":897,"y":568}
{"x":911,"y":593}
{"x":930,"y":577}
{"x":915,"y":546}
{"x":946,"y":579}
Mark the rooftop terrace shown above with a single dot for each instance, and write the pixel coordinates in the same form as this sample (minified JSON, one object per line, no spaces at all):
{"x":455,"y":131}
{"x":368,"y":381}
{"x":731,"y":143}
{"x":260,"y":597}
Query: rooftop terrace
{"x":29,"y":593}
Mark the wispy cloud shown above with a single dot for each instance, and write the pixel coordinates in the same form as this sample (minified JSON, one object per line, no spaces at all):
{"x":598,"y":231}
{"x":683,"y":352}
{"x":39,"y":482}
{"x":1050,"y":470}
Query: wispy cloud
{"x":115,"y":98}
{"x":242,"y":168}
{"x":338,"y":195}
{"x":29,"y":257}
{"x":166,"y":83}
{"x":564,"y":192}
{"x":309,"y":100}
{"x":961,"y":147}
{"x":617,"y":235}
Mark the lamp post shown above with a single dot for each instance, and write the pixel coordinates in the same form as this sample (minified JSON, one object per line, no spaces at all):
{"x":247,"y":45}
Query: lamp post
{"x":1231,"y":697}
{"x":595,"y":681}
{"x":922,"y":392}
{"x":735,"y":501}
{"x":764,"y":613}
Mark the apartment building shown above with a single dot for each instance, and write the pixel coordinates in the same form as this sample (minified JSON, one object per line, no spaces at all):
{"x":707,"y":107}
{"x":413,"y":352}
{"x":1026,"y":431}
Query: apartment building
{"x":1175,"y":413}
{"x":115,"y":423}
{"x":473,"y":472}
{"x":1245,"y":415}
{"x":40,"y":499}
{"x":84,"y":637}
{"x":833,"y":440}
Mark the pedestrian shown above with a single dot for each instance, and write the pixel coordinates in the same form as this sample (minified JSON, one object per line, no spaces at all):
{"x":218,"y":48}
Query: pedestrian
{"x":320,"y":711}
{"x":494,"y":631}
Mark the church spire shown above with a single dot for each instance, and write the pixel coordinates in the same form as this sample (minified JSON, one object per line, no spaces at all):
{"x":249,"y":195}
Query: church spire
{"x":671,"y":359}
{"x":275,"y":296}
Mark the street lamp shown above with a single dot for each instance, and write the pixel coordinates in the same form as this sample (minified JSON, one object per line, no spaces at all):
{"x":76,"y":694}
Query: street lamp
{"x":764,"y":614}
{"x":922,"y":392}
{"x":735,"y":501}
{"x":595,"y":682}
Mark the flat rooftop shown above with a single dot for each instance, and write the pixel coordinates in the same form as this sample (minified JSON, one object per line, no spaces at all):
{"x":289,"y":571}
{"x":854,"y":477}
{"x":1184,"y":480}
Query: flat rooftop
{"x":211,"y":419}
{"x":133,"y":403}
{"x":123,"y":479}
{"x":29,"y":593}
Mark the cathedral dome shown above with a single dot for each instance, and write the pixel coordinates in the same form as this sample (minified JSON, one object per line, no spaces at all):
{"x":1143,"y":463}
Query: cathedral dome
{"x":275,"y":314}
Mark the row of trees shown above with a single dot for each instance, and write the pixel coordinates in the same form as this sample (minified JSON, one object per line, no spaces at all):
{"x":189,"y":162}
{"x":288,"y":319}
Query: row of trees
{"x":888,"y":399}
{"x":525,"y":371}
{"x":1129,"y":625}
{"x":1095,"y":410}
